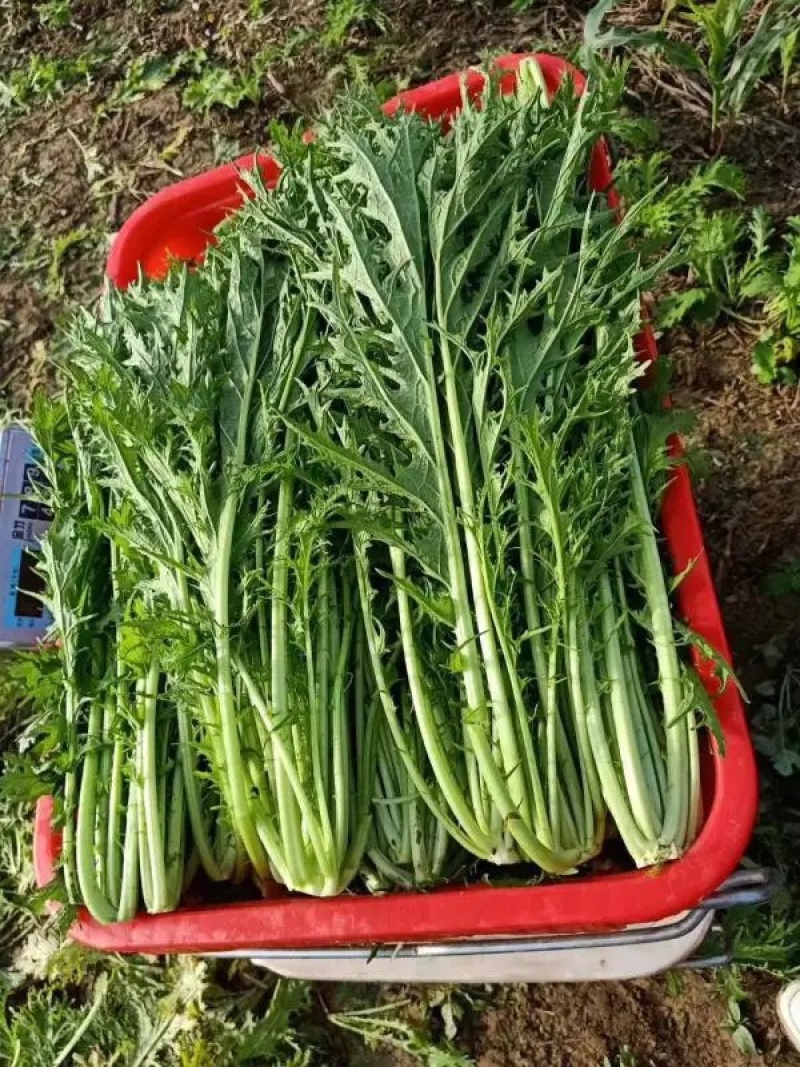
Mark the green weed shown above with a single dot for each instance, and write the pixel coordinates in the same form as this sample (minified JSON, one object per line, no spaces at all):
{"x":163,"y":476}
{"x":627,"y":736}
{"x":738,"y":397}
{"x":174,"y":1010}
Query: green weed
{"x":359,"y":70}
{"x":776,"y":724}
{"x":17,"y":914}
{"x":599,"y":38}
{"x":734,"y":58}
{"x":784,"y":580}
{"x":739,"y":268}
{"x":45,"y":78}
{"x":342,"y":15}
{"x":385,"y":1026}
{"x":148,"y":74}
{"x":624,"y":1059}
{"x":768,"y":937}
{"x":737,"y":50}
{"x":218,"y":86}
{"x":736,"y":1023}
{"x":137,"y":1014}
{"x":735,"y":262}
{"x":55,"y":14}
{"x":674,"y":983}
{"x":778,"y":348}
{"x":731,"y":263}
{"x":59,"y":249}
{"x":668,"y":206}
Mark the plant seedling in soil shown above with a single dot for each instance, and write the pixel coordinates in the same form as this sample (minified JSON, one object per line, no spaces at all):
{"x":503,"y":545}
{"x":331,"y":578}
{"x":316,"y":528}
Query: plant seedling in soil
{"x":218,"y":86}
{"x":732,"y":59}
{"x":735,"y":263}
{"x":60,"y":248}
{"x":148,"y":74}
{"x":738,"y":267}
{"x":735,"y":58}
{"x":624,"y":1059}
{"x":736,"y":1023}
{"x":385,"y":1026}
{"x":342,"y":15}
{"x":768,"y":938}
{"x":776,"y":725}
{"x":674,"y":983}
{"x":45,"y":79}
{"x":783,"y":580}
{"x":55,"y":14}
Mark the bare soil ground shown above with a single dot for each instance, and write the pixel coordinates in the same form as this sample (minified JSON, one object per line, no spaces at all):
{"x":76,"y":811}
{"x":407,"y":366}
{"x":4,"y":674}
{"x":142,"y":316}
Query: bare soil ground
{"x":71,"y":171}
{"x":564,"y":1027}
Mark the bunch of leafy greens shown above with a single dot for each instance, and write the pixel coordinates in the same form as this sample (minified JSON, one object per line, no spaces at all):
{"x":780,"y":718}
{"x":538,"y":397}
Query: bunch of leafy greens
{"x":353,"y":550}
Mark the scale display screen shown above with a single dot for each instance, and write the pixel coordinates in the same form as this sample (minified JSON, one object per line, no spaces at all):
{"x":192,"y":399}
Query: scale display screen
{"x":28,"y":604}
{"x":23,"y":521}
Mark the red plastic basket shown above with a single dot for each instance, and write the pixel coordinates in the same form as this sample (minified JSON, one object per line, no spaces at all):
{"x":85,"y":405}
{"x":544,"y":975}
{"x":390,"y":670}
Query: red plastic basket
{"x":177,"y":223}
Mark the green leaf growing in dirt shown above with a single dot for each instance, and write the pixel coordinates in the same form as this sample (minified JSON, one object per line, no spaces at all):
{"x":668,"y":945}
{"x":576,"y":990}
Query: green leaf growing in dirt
{"x":768,"y":938}
{"x":736,"y":1023}
{"x":104,"y":1010}
{"x":789,"y":46}
{"x":773,"y":357}
{"x":61,"y":246}
{"x":342,"y":16}
{"x":675,"y":983}
{"x":696,"y":304}
{"x":675,"y":208}
{"x":45,"y":79}
{"x":271,"y":1038}
{"x":624,"y":1059}
{"x":776,"y":724}
{"x":218,"y":86}
{"x":599,"y":38}
{"x":148,"y":74}
{"x":744,"y":1041}
{"x":55,"y":14}
{"x":736,"y":263}
{"x":784,"y":580}
{"x":738,"y":55}
{"x":385,"y":1025}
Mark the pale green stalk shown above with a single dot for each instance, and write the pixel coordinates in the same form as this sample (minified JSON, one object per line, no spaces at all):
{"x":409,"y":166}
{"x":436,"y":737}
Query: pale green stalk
{"x":502,"y":718}
{"x":650,"y":753}
{"x":152,"y":855}
{"x":472,"y":836}
{"x":677,"y":801}
{"x":175,"y":865}
{"x":623,"y":716}
{"x":129,"y":885}
{"x":287,"y":811}
{"x":618,"y":803}
{"x":218,"y":863}
{"x":89,"y":881}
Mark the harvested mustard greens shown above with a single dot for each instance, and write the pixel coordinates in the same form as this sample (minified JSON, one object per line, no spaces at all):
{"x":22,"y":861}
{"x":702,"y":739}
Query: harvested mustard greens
{"x":353,"y":564}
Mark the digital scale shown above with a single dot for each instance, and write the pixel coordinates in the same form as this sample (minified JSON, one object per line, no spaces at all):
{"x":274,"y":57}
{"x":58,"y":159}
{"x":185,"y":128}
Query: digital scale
{"x":23,"y":521}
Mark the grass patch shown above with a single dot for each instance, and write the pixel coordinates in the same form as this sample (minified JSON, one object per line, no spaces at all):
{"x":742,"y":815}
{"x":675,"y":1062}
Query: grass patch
{"x":46,"y":78}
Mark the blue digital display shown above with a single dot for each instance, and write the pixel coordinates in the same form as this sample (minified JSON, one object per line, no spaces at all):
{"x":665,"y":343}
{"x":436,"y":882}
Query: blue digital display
{"x":23,"y":522}
{"x":23,"y":610}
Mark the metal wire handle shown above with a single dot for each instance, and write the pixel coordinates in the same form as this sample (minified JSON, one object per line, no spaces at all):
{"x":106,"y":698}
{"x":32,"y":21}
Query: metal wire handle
{"x":748,"y":885}
{"x":745,"y":886}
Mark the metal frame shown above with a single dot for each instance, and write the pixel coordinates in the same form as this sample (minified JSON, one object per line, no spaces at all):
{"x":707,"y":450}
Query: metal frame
{"x":635,"y":935}
{"x":745,"y":887}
